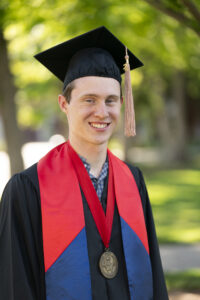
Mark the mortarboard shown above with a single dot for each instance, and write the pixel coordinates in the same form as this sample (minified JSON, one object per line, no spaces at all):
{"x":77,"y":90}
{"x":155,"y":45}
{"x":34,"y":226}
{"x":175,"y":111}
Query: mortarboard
{"x":94,"y":53}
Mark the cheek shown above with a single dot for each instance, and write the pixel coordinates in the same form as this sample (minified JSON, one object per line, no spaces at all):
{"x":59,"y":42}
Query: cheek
{"x":78,"y":115}
{"x":116,"y":113}
{"x":85,"y":112}
{"x":72,"y":117}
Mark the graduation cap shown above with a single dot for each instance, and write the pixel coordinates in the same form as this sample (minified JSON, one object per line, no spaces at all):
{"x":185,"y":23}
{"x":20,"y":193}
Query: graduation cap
{"x":94,"y":53}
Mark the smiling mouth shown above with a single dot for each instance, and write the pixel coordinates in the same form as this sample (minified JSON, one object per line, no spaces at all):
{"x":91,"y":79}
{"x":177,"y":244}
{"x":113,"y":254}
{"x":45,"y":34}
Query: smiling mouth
{"x":99,"y":125}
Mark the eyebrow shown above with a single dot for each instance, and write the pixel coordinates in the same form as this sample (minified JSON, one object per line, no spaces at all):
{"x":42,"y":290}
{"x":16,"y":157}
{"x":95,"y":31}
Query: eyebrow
{"x":96,"y":96}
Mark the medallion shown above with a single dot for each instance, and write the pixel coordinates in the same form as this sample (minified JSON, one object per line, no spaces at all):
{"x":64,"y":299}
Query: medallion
{"x":108,"y":264}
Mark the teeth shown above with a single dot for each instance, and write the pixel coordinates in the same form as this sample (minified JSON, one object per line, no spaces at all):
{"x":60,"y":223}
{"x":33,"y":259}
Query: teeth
{"x":97,"y":125}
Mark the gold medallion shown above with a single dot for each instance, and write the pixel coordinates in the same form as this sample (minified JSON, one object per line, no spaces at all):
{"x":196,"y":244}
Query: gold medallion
{"x":108,"y":264}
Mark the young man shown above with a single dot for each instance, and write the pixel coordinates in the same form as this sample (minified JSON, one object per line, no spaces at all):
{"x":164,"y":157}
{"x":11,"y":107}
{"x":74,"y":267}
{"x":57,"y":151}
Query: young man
{"x":78,"y":225}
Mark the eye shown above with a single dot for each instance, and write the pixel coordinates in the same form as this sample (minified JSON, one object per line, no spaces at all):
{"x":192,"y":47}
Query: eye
{"x":110,"y":101}
{"x":89,"y":100}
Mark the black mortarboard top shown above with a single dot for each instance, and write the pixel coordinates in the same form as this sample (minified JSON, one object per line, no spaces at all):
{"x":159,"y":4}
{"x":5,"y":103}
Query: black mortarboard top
{"x":94,"y":53}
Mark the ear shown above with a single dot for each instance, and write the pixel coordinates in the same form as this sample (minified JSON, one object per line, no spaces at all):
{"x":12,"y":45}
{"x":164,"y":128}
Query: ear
{"x":122,"y":100}
{"x":62,"y":103}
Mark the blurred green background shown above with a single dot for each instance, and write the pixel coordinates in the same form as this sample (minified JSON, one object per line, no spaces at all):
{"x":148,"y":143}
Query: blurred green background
{"x":165,"y":35}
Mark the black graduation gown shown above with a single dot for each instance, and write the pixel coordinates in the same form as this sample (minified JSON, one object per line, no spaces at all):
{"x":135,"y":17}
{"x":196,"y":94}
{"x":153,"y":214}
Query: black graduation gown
{"x":22,"y":275}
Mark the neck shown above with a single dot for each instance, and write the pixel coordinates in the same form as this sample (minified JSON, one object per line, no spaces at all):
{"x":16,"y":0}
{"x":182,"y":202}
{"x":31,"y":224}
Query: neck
{"x":94,"y":154}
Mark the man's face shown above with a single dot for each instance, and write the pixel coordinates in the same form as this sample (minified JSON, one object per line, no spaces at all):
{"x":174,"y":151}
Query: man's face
{"x":93,"y":111}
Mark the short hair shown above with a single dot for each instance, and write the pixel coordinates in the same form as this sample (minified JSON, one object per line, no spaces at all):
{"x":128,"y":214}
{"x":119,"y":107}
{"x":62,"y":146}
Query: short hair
{"x":68,"y":91}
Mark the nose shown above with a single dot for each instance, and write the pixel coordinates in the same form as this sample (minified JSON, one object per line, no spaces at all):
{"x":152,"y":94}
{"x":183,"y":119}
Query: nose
{"x":101,"y":110}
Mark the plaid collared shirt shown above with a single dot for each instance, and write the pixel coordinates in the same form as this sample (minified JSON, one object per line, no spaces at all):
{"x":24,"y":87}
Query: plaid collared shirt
{"x":98,"y":183}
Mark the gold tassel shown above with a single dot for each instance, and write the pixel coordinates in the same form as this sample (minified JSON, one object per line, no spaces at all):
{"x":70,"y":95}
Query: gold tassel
{"x":129,"y":128}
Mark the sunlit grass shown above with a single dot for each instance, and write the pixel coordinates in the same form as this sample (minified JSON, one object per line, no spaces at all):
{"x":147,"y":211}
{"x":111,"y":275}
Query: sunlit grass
{"x":184,"y":281}
{"x":175,"y":199}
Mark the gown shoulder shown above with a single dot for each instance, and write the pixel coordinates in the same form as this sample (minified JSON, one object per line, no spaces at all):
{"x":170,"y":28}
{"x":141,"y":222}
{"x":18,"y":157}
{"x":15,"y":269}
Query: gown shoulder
{"x":21,"y":247}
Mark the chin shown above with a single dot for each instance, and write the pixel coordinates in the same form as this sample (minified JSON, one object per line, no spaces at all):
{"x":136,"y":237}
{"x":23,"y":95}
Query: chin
{"x":98,"y":139}
{"x":101,"y":141}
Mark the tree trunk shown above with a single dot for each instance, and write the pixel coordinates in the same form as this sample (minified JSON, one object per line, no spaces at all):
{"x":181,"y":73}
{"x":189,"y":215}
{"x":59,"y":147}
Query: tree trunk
{"x":162,"y":122}
{"x":171,"y":121}
{"x":8,"y":110}
{"x":180,"y":132}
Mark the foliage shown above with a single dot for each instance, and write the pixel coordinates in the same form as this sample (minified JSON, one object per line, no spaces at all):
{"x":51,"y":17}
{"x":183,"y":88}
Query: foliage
{"x":186,"y":12}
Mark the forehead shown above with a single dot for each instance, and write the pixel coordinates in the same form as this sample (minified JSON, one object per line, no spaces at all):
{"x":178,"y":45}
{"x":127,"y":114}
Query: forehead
{"x":101,"y":86}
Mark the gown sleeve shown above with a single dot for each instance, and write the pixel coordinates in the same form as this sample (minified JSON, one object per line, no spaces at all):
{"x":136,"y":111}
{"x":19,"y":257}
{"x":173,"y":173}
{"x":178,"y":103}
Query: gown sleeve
{"x":159,"y":286}
{"x":21,"y":253}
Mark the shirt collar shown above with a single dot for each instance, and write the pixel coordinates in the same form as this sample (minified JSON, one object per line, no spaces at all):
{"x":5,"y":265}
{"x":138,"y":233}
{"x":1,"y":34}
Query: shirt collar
{"x":104,"y":170}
